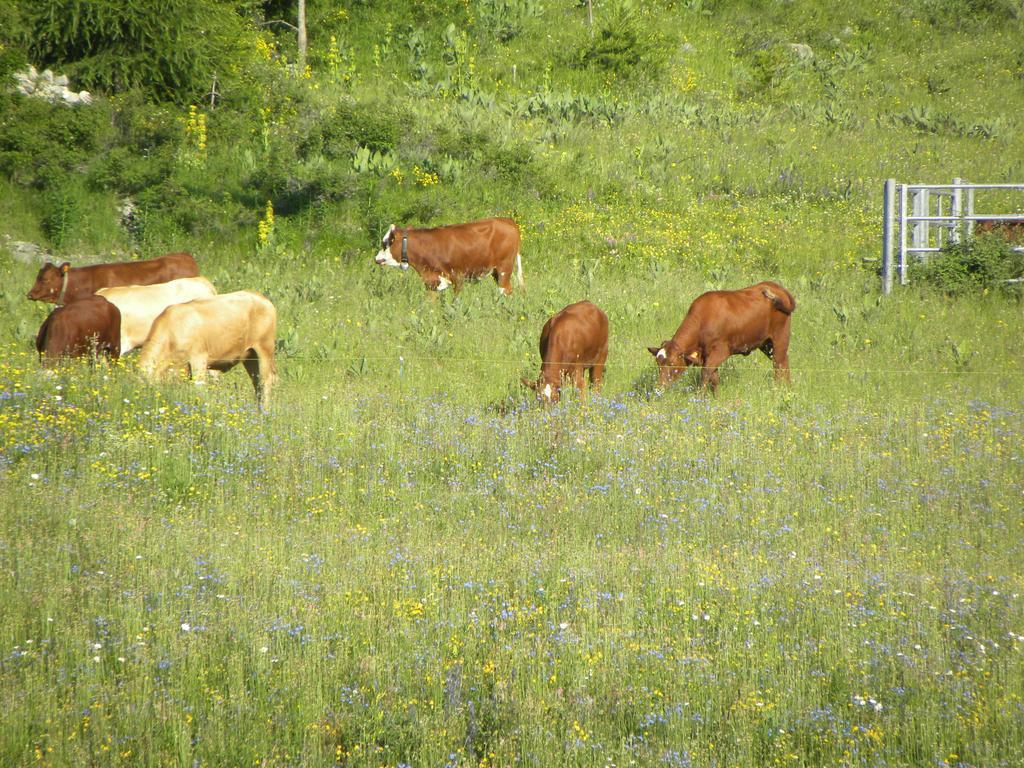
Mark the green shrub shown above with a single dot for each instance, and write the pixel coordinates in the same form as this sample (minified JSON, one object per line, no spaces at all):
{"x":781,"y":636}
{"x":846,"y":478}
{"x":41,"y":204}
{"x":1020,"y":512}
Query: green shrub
{"x":984,"y":262}
{"x":62,"y":209}
{"x":622,"y":44}
{"x":38,"y":139}
{"x":511,"y":162}
{"x":143,"y":126}
{"x":12,"y":59}
{"x":503,"y":19}
{"x":172,"y":49}
{"x":961,"y":13}
{"x":339,"y":132}
{"x":12,"y":32}
{"x":122,"y":170}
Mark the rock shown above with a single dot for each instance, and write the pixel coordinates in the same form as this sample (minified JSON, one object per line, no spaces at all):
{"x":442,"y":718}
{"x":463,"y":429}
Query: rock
{"x":802,"y":51}
{"x":26,"y":253}
{"x":53,"y":89}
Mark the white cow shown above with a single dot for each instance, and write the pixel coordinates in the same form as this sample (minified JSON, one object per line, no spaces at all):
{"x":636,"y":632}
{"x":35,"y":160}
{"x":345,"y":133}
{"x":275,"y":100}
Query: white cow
{"x":140,"y":304}
{"x":216,"y":333}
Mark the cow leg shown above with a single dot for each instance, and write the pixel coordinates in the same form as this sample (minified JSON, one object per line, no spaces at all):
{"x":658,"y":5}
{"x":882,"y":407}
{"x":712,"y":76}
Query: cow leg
{"x":197,"y":368}
{"x":504,"y":281}
{"x":433,"y":283}
{"x":709,"y":373}
{"x":579,"y":380}
{"x":260,"y":384}
{"x":596,"y":376}
{"x":780,"y":356}
{"x":261,"y":369}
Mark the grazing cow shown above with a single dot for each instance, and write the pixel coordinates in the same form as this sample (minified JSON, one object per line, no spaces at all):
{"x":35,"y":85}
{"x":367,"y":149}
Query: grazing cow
{"x":723,"y":323}
{"x":218,"y":333}
{"x":1012,"y":230}
{"x":59,"y":285}
{"x":87,"y":326}
{"x":140,"y":304}
{"x":572,"y":341}
{"x":446,"y":256}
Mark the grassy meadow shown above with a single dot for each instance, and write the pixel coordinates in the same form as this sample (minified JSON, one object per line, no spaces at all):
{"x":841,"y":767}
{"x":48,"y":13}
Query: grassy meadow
{"x":407,"y":561}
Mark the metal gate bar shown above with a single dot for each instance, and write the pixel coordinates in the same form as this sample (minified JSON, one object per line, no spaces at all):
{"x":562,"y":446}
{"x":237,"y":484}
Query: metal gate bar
{"x":909,"y":207}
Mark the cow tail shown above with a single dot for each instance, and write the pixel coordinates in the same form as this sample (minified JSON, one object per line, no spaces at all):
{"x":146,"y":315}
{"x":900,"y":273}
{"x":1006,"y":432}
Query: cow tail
{"x":785,"y":302}
{"x":519,"y":270}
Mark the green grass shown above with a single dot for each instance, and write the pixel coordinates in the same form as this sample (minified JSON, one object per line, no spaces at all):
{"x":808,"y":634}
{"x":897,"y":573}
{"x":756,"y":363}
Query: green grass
{"x":412,"y":563}
{"x":408,"y":561}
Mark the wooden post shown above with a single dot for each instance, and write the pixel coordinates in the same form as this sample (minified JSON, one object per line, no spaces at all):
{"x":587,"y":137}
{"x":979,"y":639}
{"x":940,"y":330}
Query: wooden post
{"x":888,"y":215}
{"x":302,"y":43}
{"x":590,"y":16}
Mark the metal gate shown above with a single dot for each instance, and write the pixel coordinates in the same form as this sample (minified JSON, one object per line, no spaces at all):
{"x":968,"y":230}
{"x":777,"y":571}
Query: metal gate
{"x":919,"y":219}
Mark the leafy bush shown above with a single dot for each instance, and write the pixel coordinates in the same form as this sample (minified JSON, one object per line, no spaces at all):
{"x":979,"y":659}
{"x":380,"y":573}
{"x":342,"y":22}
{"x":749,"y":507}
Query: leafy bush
{"x":927,"y":120}
{"x":961,"y":13}
{"x":142,"y":126}
{"x":172,"y":49}
{"x":503,"y":19}
{"x":569,"y":107}
{"x":622,"y":44}
{"x":38,"y":139}
{"x":353,"y":125}
{"x":125,"y":171}
{"x":62,"y":209}
{"x":512,"y":162}
{"x":985,"y":261}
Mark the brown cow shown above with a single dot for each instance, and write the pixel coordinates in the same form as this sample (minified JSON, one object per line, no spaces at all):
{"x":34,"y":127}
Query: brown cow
{"x":445,"y":256}
{"x":64,"y":284}
{"x":218,"y":332}
{"x":572,"y":341}
{"x":1012,"y":230}
{"x":87,"y":326}
{"x":723,"y":323}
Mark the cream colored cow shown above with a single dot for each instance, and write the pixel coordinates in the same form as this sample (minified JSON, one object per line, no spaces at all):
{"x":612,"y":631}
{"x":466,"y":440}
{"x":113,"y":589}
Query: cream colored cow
{"x":217,"y":333}
{"x":140,"y":304}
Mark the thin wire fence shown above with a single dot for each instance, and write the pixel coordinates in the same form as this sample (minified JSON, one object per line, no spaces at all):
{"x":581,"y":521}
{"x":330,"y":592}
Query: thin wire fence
{"x":498,"y":362}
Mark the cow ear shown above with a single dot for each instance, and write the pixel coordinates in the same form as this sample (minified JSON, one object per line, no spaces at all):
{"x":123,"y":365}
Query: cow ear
{"x":65,"y":267}
{"x":694,"y":356}
{"x":654,"y":350}
{"x":529,"y":383}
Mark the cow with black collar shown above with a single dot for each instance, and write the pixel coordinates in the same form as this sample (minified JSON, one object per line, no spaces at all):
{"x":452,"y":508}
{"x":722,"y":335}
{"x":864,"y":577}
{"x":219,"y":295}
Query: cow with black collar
{"x":446,"y":256}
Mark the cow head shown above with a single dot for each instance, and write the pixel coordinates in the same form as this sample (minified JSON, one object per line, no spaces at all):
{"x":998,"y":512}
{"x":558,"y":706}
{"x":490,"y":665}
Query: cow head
{"x":546,"y":391}
{"x":389,"y":244}
{"x":672,"y":361}
{"x":49,"y":282}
